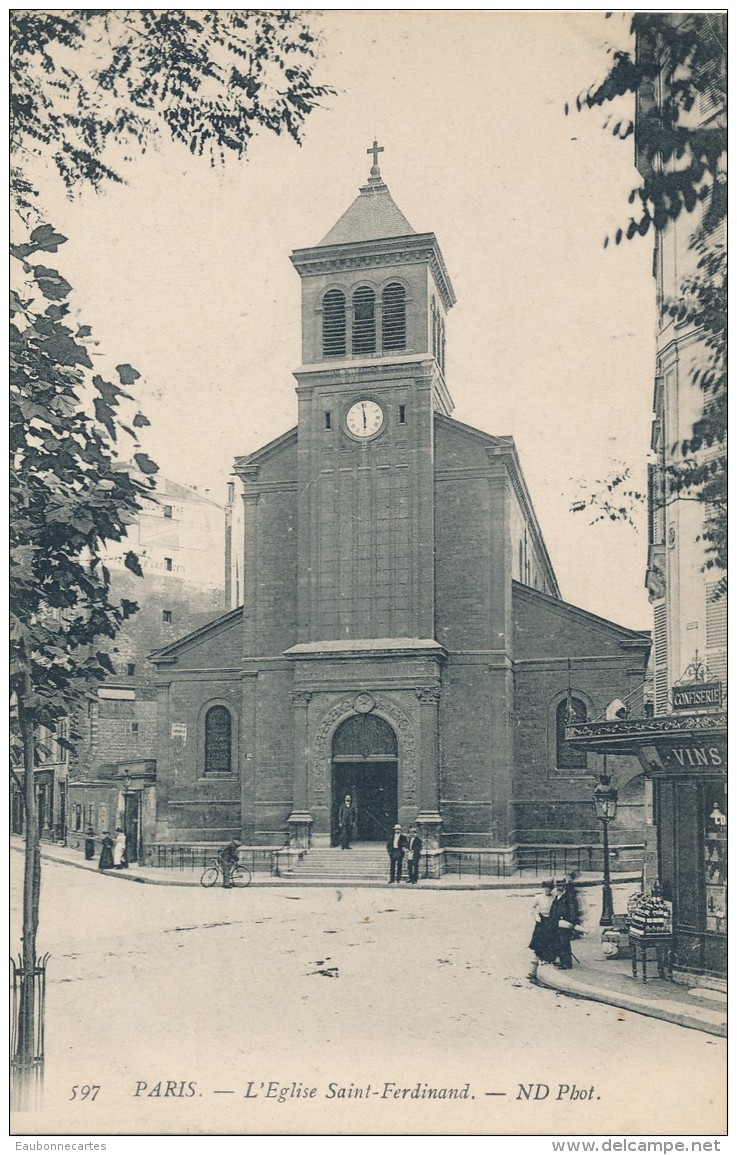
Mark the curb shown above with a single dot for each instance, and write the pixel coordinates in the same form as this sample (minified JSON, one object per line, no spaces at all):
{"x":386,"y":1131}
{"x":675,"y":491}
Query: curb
{"x":267,"y":882}
{"x":678,"y":1013}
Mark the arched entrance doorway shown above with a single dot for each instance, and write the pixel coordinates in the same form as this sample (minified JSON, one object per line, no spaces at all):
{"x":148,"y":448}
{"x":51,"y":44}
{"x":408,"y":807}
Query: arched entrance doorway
{"x":365,"y":762}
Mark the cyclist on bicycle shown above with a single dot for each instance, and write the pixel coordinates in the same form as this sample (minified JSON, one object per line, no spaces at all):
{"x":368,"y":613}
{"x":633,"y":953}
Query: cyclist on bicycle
{"x":228,"y":860}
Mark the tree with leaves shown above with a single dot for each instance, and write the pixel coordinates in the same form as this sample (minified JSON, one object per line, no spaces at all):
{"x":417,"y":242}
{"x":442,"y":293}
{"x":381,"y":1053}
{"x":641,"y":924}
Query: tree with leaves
{"x":676,"y":71}
{"x":67,"y":500}
{"x":88,"y":90}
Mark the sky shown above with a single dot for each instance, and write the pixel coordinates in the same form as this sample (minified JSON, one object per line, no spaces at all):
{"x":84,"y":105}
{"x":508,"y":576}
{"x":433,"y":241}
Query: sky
{"x":184,"y":272}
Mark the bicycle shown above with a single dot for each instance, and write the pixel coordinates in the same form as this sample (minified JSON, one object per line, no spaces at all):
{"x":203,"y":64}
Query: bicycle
{"x":239,"y":875}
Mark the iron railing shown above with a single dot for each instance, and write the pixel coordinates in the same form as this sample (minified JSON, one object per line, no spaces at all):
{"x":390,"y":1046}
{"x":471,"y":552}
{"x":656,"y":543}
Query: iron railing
{"x":256,"y":858}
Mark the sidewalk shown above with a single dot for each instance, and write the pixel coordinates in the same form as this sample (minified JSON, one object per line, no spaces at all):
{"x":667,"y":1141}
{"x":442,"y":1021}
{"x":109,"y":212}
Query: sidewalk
{"x":593,"y":977}
{"x":171,"y":876}
{"x":611,"y":981}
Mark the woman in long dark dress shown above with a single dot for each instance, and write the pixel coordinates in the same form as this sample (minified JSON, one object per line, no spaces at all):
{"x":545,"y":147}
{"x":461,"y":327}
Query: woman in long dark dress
{"x":106,"y":854}
{"x":544,"y":939}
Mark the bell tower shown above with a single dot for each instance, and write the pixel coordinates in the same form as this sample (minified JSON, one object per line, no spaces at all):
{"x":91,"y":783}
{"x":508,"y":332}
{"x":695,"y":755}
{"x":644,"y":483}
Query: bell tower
{"x":375,"y":295}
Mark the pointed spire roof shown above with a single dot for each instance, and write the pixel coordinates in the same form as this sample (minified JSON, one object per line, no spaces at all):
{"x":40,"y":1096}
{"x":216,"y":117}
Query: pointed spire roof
{"x":373,"y":214}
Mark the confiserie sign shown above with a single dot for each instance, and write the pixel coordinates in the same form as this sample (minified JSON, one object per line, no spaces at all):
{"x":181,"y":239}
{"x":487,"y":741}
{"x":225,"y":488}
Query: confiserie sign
{"x":699,"y":694}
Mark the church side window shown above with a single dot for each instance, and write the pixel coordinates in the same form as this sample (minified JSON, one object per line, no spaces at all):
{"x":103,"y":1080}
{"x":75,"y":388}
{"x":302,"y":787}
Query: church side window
{"x":441,"y":344}
{"x":434,"y":330}
{"x":393,"y":318}
{"x":217,"y":741}
{"x":364,"y":321}
{"x":333,"y":324}
{"x":568,"y":712}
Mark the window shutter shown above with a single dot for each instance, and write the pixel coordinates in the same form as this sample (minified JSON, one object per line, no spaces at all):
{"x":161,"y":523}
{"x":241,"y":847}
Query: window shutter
{"x":716,"y":633}
{"x":660,"y":647}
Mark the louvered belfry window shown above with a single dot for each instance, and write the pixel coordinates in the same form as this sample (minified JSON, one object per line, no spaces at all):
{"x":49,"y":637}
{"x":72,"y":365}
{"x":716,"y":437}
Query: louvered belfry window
{"x":393,"y":318}
{"x":364,"y":321}
{"x":333,"y":324}
{"x":217,"y":741}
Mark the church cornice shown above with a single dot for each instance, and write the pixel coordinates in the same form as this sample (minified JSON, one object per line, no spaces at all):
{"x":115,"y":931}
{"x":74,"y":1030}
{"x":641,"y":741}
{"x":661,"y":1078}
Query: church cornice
{"x":416,"y":249}
{"x":371,"y":647}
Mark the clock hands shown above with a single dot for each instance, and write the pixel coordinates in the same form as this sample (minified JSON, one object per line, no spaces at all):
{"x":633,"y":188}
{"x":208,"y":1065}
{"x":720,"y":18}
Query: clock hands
{"x":363,"y":410}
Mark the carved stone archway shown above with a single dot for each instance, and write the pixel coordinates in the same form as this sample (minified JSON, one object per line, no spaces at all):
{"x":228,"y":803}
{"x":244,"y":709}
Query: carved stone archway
{"x":384,"y":707}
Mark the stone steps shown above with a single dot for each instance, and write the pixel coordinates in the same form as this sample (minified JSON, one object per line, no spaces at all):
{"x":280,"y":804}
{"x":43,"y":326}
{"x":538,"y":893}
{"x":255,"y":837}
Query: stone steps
{"x":359,"y":864}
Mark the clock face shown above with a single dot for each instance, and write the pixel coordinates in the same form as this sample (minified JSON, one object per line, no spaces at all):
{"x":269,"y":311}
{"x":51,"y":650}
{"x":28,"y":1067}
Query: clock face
{"x":364,"y":418}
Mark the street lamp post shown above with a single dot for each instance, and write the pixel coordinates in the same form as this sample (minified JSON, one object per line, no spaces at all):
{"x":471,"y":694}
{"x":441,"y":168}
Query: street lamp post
{"x":605,"y":800}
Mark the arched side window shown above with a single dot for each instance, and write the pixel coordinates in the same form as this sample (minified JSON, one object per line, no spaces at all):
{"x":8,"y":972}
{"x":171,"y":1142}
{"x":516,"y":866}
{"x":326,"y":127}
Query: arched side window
{"x":393,"y":318}
{"x":434,"y":330}
{"x":568,"y":712}
{"x":441,"y":343}
{"x":364,"y":321}
{"x":333,"y":324}
{"x":218,"y":748}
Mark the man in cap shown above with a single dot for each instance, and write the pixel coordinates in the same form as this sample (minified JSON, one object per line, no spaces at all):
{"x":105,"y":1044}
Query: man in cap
{"x":396,"y":844}
{"x":565,"y":918}
{"x":228,"y":860}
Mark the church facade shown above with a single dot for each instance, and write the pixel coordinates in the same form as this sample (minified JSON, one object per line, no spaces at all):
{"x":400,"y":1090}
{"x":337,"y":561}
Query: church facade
{"x":402,"y":638}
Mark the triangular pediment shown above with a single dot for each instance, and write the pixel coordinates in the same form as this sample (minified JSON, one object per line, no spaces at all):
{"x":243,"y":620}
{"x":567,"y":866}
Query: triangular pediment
{"x":216,"y":645}
{"x":546,"y":626}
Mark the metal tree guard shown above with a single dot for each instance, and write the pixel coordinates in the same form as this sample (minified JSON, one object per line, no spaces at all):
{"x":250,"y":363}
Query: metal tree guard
{"x":28,"y":1013}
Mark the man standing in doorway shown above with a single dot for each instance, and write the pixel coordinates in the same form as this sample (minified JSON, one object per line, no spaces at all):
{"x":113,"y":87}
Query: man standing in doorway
{"x":414,"y":849}
{"x":346,"y":822}
{"x":396,"y":844}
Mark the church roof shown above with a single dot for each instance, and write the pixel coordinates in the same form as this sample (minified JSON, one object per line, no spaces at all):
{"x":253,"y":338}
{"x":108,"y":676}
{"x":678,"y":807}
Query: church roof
{"x":372,"y":217}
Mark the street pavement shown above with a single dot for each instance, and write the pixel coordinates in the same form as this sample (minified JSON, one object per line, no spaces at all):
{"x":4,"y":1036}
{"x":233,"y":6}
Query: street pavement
{"x":320,"y":1010}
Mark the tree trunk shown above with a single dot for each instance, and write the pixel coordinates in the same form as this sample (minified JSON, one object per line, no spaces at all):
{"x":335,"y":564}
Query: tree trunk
{"x":25,"y":1054}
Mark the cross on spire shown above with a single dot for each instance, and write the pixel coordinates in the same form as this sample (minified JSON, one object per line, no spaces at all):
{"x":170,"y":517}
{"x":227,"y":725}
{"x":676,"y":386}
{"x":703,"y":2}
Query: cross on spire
{"x":374,"y":152}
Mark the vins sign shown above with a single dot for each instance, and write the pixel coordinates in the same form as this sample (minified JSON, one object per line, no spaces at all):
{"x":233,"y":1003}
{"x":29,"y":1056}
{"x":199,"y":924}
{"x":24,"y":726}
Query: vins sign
{"x":697,"y":696}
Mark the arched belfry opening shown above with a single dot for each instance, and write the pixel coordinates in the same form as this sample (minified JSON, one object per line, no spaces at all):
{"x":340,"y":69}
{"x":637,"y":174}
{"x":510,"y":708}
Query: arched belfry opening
{"x":365,"y":764}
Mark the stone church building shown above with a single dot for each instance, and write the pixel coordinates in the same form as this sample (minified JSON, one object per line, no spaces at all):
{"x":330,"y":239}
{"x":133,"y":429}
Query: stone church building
{"x":402,"y":637}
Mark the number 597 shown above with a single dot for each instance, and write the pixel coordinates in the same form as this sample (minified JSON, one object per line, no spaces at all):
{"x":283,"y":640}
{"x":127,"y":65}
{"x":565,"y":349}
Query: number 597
{"x":86,"y":1092}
